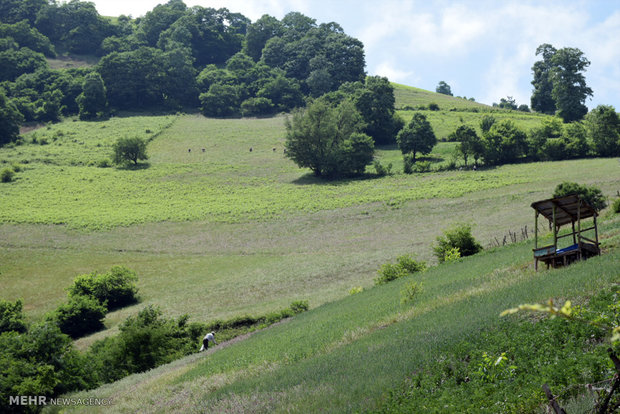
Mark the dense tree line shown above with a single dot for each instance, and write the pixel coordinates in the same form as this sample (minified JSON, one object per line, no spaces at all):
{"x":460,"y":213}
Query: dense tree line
{"x":174,"y":57}
{"x":503,"y":142}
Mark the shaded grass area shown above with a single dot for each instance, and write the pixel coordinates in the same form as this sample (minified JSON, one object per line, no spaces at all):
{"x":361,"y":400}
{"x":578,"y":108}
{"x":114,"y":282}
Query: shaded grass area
{"x":342,"y":356}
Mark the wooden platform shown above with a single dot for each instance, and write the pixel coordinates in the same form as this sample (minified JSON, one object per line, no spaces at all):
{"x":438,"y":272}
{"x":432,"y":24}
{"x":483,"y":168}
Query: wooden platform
{"x":559,"y":212}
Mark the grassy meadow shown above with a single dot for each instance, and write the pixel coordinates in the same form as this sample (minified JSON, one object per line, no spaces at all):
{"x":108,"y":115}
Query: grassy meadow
{"x":346,"y":355}
{"x":215,"y":230}
{"x":249,"y":229}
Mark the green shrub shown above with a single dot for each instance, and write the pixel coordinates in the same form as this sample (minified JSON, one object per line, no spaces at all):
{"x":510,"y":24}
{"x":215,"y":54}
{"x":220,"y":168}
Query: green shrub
{"x":422,"y":166}
{"x":7,"y":174}
{"x":113,"y":290}
{"x":257,"y":106}
{"x":356,"y":289}
{"x":408,"y":164}
{"x":129,"y":149}
{"x":81,"y":316}
{"x":299,"y":306}
{"x":389,"y":272}
{"x":452,"y":254}
{"x":459,"y":237}
{"x":40,"y":361}
{"x":615,"y":206}
{"x":591,"y":194}
{"x":411,"y":265}
{"x":433,"y":106}
{"x":381,"y":170}
{"x":409,"y":292}
{"x":104,"y":163}
{"x":11,"y":316}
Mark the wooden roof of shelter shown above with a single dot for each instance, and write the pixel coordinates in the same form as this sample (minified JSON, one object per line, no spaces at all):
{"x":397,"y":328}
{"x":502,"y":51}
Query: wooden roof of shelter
{"x":568,"y":209}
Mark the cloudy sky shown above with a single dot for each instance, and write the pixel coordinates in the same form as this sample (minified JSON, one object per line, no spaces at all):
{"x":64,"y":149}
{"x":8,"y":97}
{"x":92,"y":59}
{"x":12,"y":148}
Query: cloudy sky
{"x":482,"y":48}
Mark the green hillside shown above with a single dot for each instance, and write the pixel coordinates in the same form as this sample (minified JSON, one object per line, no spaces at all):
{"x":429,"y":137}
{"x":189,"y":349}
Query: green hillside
{"x":227,"y":231}
{"x":454,"y":112}
{"x":346,"y":355}
{"x":234,"y":223}
{"x":414,"y":97}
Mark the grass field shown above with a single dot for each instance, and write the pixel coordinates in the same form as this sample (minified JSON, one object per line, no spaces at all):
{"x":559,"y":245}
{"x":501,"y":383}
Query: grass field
{"x":230,"y":231}
{"x":454,"y":112}
{"x":247,"y":228}
{"x":414,"y":97}
{"x":342,"y":356}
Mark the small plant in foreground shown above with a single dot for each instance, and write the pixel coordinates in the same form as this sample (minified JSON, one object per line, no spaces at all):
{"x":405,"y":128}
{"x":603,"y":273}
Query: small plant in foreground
{"x":409,"y":292}
{"x":460,"y":237}
{"x":411,"y":265}
{"x":389,"y":272}
{"x":452,"y":255}
{"x":615,"y":206}
{"x":492,"y":369}
{"x":7,"y":174}
{"x":356,"y":289}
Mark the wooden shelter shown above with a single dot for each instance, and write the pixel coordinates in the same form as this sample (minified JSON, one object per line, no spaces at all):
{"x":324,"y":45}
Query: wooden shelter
{"x":559,"y":212}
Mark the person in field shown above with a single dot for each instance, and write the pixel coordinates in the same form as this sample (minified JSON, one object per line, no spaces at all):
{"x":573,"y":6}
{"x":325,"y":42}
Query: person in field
{"x":210,"y":337}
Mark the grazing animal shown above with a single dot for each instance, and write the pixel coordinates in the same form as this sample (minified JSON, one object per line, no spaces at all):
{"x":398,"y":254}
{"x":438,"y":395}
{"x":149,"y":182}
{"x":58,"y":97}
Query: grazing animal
{"x":203,"y":150}
{"x":189,"y":150}
{"x":250,"y":149}
{"x":205,"y":341}
{"x":274,"y":149}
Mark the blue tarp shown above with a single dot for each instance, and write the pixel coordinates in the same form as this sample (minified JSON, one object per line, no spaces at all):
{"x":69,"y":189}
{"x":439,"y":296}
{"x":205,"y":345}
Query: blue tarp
{"x":567,"y":249}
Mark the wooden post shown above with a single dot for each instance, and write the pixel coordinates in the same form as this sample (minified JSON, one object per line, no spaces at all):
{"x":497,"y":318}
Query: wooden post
{"x":579,"y":220}
{"x":555,"y":231}
{"x":536,"y":229}
{"x":552,"y":402}
{"x":596,"y":235}
{"x":535,"y":239}
{"x":574,"y":238}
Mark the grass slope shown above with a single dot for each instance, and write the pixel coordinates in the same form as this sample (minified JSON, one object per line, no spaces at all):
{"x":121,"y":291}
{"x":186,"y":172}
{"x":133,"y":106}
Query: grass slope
{"x":414,"y":97}
{"x":343,"y":356}
{"x":454,"y":112}
{"x":249,"y":229}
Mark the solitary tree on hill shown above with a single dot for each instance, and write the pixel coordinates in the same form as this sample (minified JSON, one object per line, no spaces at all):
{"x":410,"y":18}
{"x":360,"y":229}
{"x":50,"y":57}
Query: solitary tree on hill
{"x":444,"y":88}
{"x":569,"y":85}
{"x":541,"y":100}
{"x":129,"y":149}
{"x":559,"y":83}
{"x":416,"y":136}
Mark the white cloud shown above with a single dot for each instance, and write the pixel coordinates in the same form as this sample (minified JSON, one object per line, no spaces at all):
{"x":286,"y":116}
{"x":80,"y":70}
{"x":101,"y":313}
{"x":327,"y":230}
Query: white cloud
{"x":394,"y":74}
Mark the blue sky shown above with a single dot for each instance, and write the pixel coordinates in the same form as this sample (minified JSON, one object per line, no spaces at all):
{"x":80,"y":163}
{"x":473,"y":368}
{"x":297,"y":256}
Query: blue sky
{"x":483,"y":49}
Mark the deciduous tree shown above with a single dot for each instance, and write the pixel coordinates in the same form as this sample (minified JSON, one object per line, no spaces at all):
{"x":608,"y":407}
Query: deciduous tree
{"x":92,"y":101}
{"x":603,"y":126}
{"x":569,"y":84}
{"x":542,"y":100}
{"x":328,"y":140}
{"x":444,"y":88}
{"x":129,"y":149}
{"x":416,"y":136}
{"x":10,"y":120}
